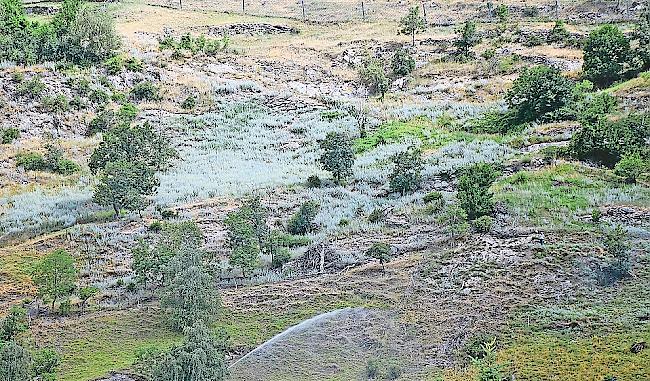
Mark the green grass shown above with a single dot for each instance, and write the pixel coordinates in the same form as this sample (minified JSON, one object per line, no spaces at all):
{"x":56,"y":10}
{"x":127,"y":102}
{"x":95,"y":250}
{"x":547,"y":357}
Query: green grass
{"x":92,"y":347}
{"x":249,"y":329}
{"x":558,"y":193}
{"x":555,"y":357}
{"x":431,"y":135}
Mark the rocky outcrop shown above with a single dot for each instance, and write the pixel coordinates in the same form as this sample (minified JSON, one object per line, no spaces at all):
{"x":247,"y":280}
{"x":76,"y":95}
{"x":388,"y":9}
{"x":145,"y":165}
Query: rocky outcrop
{"x":256,"y":29}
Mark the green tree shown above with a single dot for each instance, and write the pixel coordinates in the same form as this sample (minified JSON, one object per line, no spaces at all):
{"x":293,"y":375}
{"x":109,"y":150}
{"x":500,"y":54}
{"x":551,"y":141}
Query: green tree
{"x":382,"y":252}
{"x":537,"y":92}
{"x":90,"y":38}
{"x":55,"y":275}
{"x":199,"y":358}
{"x":189,"y":295}
{"x":466,"y":40}
{"x":337,"y":156}
{"x":14,"y":323}
{"x":373,"y":76}
{"x":125,"y":185}
{"x":150,"y":256}
{"x":606,"y":56}
{"x":412,"y":23}
{"x":133,"y":144}
{"x":15,"y":362}
{"x":248,"y":234}
{"x":474,"y":195}
{"x":85,"y":294}
{"x":407,"y":173}
{"x":641,"y":37}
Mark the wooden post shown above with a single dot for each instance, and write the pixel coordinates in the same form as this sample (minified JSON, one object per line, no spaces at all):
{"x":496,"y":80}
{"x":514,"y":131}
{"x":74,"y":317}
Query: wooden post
{"x":243,"y":6}
{"x":424,"y":13}
{"x":303,"y":10}
{"x":363,"y":10}
{"x":557,"y":9}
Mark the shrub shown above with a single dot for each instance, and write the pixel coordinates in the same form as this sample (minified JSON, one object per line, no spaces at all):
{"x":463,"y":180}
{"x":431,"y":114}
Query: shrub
{"x":32,"y":88}
{"x":537,"y":92}
{"x":302,"y":222}
{"x":45,"y":363}
{"x":474,"y":348}
{"x":502,"y":12}
{"x":432,"y":197}
{"x":373,"y":76}
{"x":559,"y":34}
{"x":372,"y":368}
{"x":473,"y":190}
{"x":313,"y":181}
{"x":55,"y":104}
{"x":376,"y":216}
{"x":487,"y":368}
{"x":618,"y":249}
{"x":454,"y":221}
{"x":30,"y":161}
{"x":189,"y":103}
{"x":631,"y":166}
{"x":145,"y":91}
{"x":8,"y":135}
{"x":99,"y":96}
{"x":606,"y":142}
{"x":596,"y":108}
{"x":133,"y":64}
{"x":494,"y":122}
{"x":280,"y":257}
{"x":483,"y":224}
{"x":403,"y":63}
{"x":466,"y":40}
{"x":380,"y":251}
{"x":407,"y":173}
{"x":14,"y":323}
{"x":101,"y":122}
{"x":127,"y":113}
{"x":114,"y":65}
{"x":606,"y":54}
{"x":14,"y":362}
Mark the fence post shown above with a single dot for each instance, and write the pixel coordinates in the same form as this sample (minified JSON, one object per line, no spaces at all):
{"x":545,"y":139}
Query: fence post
{"x":424,"y":13}
{"x":363,"y":11}
{"x":303,"y":10}
{"x":243,"y":6}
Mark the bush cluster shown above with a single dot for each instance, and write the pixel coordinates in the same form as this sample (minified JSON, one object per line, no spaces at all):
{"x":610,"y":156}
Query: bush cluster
{"x":194,"y":45}
{"x":52,"y":161}
{"x":77,"y":34}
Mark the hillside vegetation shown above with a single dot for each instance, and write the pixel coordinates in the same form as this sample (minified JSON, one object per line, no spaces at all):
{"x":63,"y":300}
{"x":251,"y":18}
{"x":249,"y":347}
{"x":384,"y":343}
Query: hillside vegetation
{"x":324,"y":190}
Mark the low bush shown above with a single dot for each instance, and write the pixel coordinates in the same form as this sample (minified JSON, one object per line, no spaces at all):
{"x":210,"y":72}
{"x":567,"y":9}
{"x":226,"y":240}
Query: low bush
{"x":30,"y":161}
{"x":55,"y":104}
{"x":376,"y":216}
{"x":145,"y":91}
{"x":631,"y":167}
{"x":114,"y":65}
{"x":606,"y":141}
{"x":302,"y":222}
{"x":189,"y":103}
{"x":32,"y":88}
{"x":313,"y":181}
{"x":607,"y":56}
{"x":8,"y":135}
{"x":483,"y":224}
{"x":407,"y":173}
{"x":402,"y":63}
